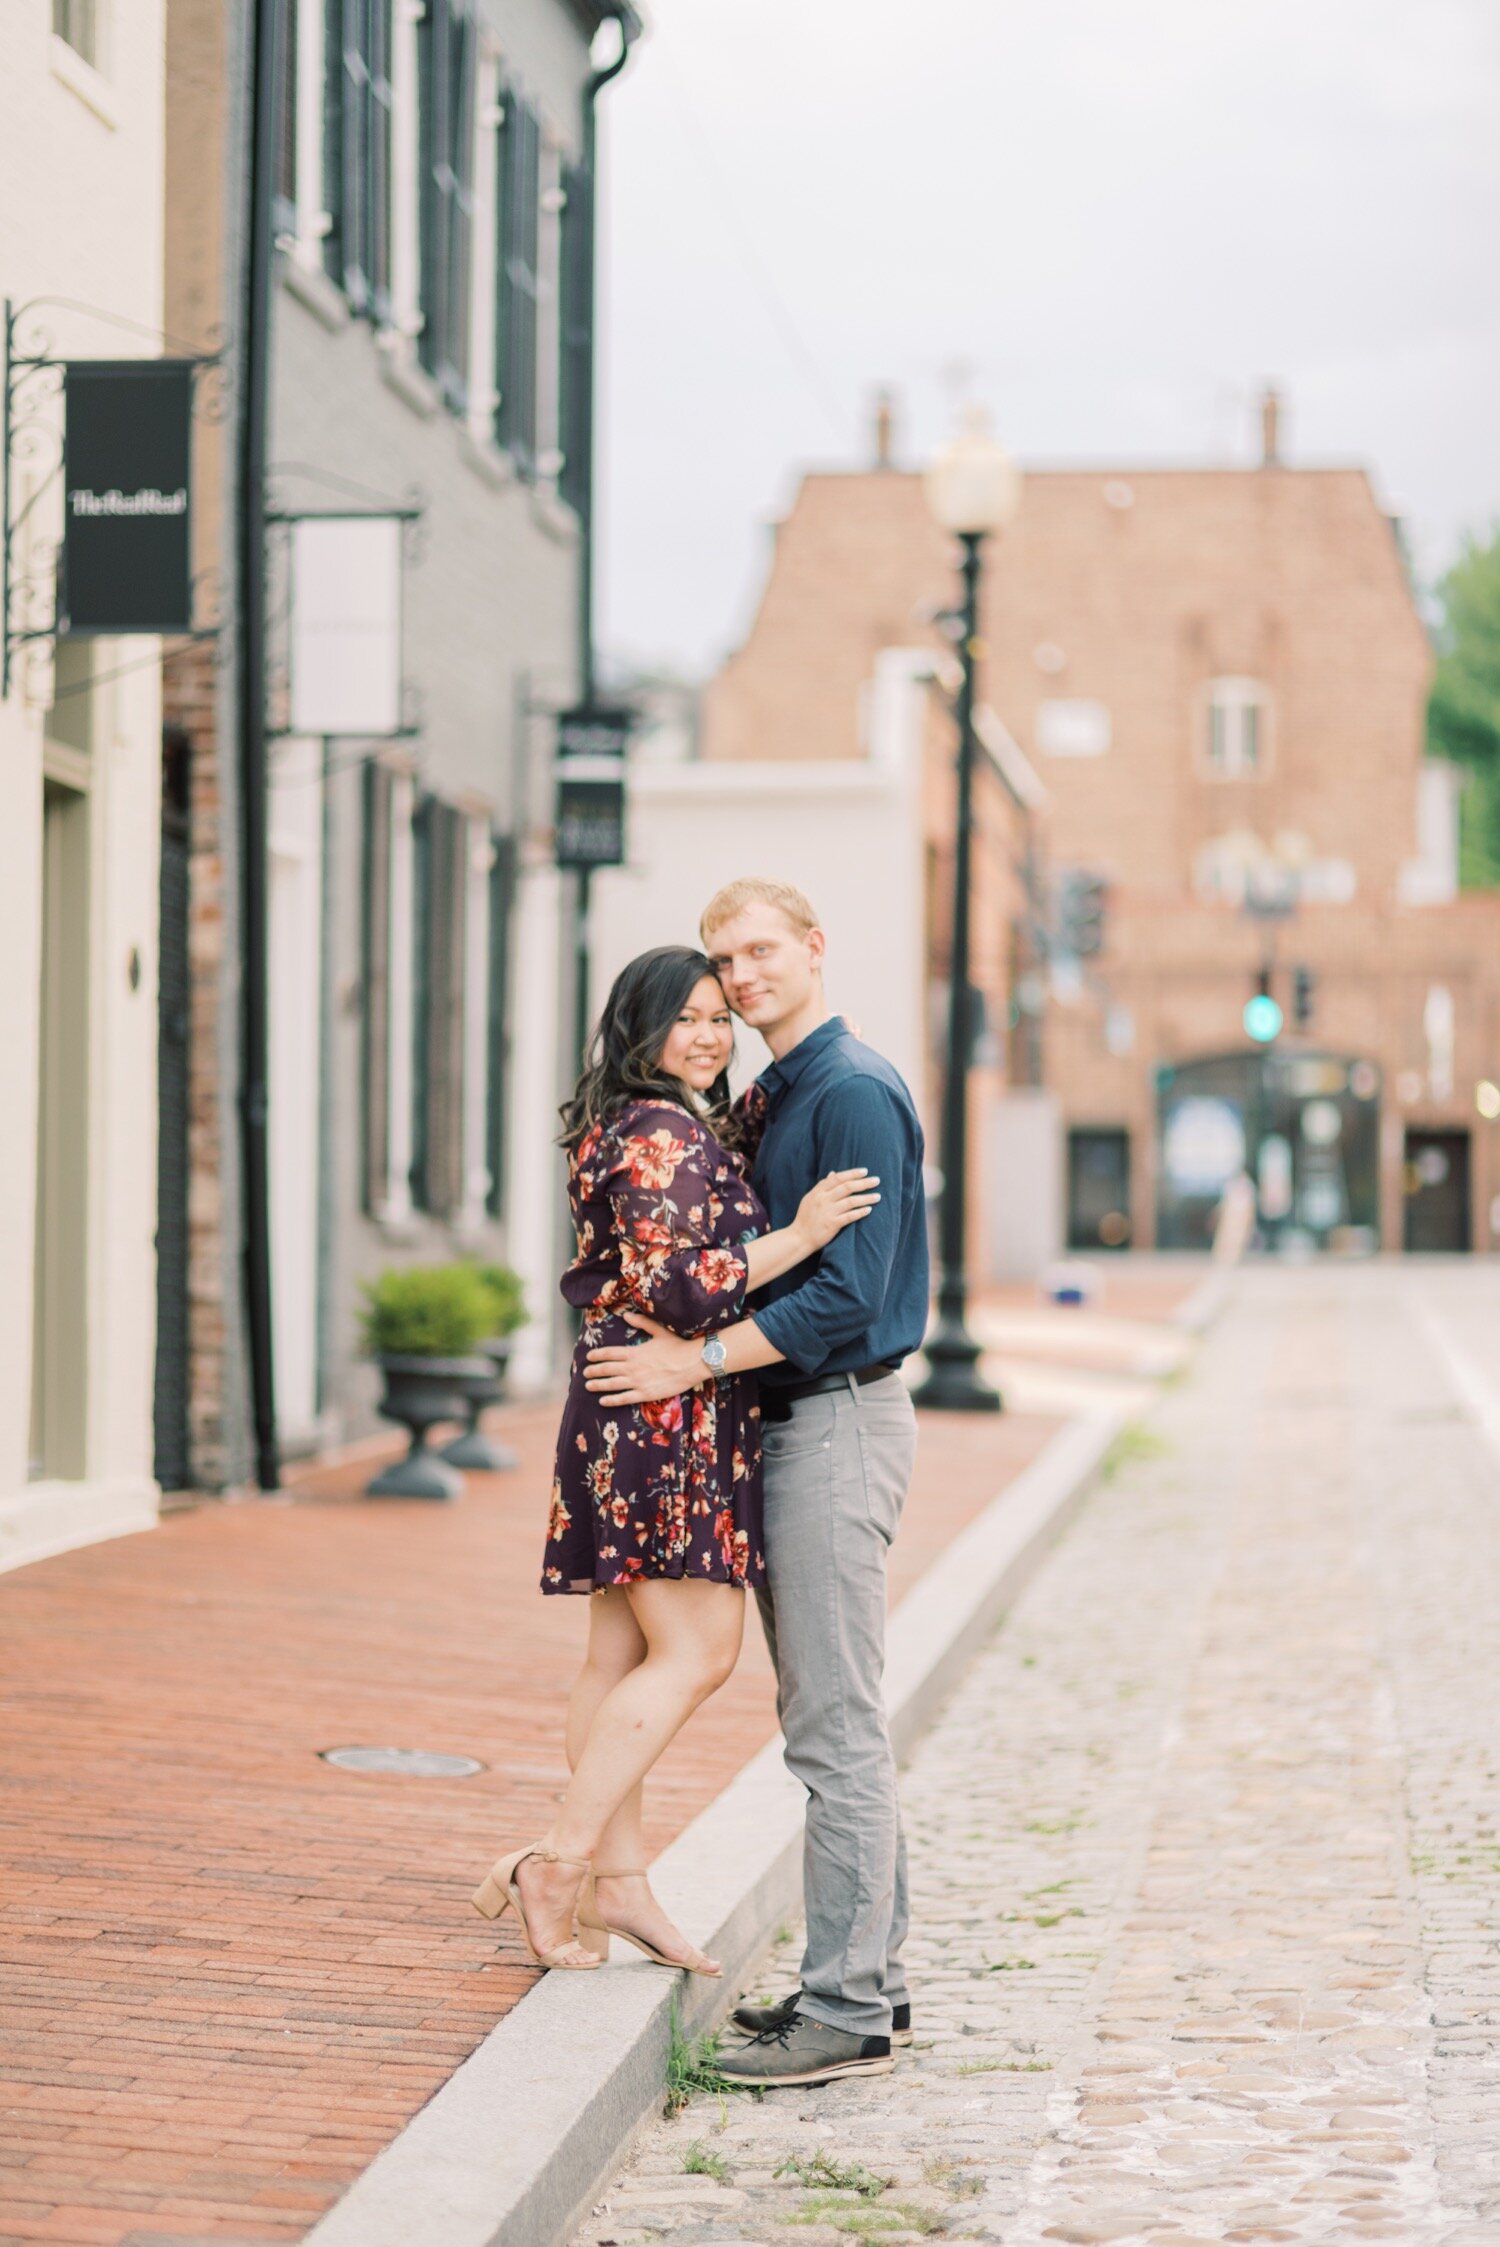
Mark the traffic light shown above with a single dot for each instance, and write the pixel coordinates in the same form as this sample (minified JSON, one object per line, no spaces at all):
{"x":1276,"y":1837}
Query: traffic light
{"x":1262,"y":1017}
{"x":1304,"y":987}
{"x":1080,"y":913}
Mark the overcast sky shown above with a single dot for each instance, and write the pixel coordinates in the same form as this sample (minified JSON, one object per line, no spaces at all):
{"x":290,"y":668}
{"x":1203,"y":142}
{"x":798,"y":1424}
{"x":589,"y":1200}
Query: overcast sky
{"x":1110,"y":220}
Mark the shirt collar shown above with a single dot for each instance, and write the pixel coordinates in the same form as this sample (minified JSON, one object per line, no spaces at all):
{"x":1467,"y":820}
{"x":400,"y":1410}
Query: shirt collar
{"x":783,"y":1074}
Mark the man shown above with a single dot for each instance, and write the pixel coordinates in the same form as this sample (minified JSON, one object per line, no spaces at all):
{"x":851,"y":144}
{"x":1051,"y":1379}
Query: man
{"x":840,"y":1439}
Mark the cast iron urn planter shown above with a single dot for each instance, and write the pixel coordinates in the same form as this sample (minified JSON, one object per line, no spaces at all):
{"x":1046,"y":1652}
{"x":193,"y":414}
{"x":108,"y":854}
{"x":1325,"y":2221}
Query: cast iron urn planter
{"x":420,"y":1392}
{"x":474,"y":1449}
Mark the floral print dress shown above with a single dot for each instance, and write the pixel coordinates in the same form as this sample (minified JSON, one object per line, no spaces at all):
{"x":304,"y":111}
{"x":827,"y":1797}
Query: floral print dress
{"x":669,"y":1489}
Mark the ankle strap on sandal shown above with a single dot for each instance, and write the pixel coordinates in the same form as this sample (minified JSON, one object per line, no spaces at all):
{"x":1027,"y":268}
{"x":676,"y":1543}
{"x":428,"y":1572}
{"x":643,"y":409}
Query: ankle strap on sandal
{"x":552,"y":1857}
{"x":631,"y":1872}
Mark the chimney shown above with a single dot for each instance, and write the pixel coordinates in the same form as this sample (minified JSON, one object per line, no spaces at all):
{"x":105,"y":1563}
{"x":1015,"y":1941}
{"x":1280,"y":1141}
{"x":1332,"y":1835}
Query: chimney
{"x":885,"y":427}
{"x":1270,"y":427}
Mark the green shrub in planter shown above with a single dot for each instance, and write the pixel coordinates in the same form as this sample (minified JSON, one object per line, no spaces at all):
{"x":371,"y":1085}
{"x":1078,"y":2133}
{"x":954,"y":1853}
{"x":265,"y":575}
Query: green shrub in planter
{"x":426,"y":1311}
{"x":507,"y":1298}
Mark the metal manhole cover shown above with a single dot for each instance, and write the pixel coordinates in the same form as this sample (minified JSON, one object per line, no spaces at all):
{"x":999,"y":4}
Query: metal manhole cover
{"x":411,"y":1763}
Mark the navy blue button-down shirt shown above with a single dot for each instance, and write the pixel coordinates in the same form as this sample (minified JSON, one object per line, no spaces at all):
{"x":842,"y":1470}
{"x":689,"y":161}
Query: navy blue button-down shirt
{"x":834,"y":1104}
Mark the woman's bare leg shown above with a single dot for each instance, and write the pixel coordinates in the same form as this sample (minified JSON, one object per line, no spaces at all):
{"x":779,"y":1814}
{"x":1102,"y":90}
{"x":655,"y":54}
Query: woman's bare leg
{"x":617,"y":1645}
{"x":692,"y":1632}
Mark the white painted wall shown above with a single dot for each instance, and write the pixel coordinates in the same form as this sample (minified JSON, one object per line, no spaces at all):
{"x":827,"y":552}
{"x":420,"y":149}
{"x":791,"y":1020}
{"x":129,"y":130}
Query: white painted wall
{"x":847,"y":833}
{"x":81,"y":158}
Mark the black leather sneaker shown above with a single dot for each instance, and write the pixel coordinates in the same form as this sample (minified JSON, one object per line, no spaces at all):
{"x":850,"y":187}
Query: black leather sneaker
{"x":800,"y":2051}
{"x":758,"y":2018}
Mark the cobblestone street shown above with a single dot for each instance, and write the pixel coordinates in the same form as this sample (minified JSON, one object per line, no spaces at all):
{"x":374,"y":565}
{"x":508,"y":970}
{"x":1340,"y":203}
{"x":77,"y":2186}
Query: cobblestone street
{"x":1205,"y":1856}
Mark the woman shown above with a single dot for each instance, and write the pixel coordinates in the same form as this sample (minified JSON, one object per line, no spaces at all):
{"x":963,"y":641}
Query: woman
{"x":655,"y":1508}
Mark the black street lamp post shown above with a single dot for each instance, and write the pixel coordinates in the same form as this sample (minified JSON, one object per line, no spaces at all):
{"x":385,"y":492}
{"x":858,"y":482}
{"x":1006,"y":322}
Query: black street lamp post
{"x":973,"y":489}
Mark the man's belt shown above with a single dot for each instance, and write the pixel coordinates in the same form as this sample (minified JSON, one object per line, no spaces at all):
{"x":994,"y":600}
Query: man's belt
{"x":776,"y":1404}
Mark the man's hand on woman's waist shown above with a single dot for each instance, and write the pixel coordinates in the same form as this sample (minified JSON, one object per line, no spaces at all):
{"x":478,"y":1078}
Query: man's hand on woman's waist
{"x":664,"y":1364}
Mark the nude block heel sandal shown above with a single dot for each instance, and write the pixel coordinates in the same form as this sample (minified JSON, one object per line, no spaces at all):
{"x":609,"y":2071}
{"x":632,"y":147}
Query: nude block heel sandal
{"x":593,"y":1926}
{"x":498,"y":1892}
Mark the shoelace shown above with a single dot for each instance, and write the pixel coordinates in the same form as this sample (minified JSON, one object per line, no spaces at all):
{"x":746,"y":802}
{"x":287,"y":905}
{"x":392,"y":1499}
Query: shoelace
{"x":781,"y":2034}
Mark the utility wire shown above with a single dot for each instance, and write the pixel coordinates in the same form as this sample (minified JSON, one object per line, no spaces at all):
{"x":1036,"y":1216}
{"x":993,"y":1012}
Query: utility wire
{"x":797,"y":346}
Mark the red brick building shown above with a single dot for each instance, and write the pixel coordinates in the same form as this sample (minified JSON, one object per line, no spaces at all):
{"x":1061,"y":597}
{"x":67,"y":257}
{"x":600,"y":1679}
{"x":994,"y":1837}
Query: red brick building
{"x":1220,"y":677}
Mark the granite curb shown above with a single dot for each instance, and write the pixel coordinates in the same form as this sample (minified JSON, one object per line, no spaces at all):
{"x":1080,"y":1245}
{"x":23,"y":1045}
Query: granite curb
{"x":517,"y":2144}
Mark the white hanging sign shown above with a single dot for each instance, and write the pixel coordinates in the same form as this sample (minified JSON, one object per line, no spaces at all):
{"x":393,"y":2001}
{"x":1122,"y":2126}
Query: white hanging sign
{"x":346,"y":625}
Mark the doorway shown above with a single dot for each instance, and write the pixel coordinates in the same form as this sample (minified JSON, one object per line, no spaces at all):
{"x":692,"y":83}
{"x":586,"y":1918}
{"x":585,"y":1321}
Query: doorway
{"x":59,"y":1372}
{"x":1435,"y":1192}
{"x":1098,"y":1188}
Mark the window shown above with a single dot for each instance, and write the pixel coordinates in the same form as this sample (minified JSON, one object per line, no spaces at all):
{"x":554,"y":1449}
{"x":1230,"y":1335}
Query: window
{"x":78,"y":22}
{"x":447,"y":69}
{"x":575,"y":353}
{"x":1073,"y":728}
{"x":518,"y":233}
{"x":357,"y":151}
{"x":1236,"y":729}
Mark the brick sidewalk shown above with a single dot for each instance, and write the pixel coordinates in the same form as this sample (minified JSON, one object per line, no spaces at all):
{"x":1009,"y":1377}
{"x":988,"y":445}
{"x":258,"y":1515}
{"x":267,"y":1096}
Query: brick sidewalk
{"x":231,"y":1971}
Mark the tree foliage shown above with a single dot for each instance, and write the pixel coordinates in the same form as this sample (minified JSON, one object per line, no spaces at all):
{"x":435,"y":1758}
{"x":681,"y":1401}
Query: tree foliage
{"x":1463,"y":715}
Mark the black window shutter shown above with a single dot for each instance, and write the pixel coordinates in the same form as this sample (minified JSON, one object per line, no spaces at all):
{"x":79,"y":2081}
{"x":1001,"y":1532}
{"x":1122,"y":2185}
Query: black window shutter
{"x":354,"y":275}
{"x":357,"y":151}
{"x":438,"y":1013}
{"x":447,"y":194}
{"x":432,"y":128}
{"x":380,"y":100}
{"x":375,"y":1024}
{"x":575,"y":354}
{"x":516,"y":325}
{"x":502,"y":890}
{"x":424,"y":822}
{"x":286,"y":124}
{"x":454,"y":374}
{"x":333,"y":137}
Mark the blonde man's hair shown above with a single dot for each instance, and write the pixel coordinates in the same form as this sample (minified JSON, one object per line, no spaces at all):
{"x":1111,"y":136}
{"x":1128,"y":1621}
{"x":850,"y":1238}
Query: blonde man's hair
{"x":735,"y":896}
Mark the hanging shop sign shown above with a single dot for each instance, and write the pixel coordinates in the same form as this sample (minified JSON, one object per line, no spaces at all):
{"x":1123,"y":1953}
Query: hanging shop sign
{"x":127,"y":443}
{"x":591,"y":745}
{"x":345,"y":643}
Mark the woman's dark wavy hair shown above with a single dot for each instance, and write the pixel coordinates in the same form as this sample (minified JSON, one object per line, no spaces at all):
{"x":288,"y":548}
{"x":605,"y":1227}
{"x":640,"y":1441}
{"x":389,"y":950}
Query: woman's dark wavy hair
{"x":623,"y":1059}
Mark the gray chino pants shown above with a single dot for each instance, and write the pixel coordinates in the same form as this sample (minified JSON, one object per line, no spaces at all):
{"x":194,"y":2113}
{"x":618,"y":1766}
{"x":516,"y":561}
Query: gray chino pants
{"x":836,"y":1479}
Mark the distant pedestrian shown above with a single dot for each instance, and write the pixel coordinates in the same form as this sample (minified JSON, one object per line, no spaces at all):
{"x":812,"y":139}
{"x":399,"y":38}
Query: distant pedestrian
{"x":840,"y":1441}
{"x":656,"y":1505}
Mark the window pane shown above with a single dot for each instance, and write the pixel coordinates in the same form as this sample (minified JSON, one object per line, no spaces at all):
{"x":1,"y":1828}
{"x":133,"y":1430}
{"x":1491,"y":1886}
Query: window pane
{"x":1249,"y":736}
{"x":1217,"y":727}
{"x":286,"y":121}
{"x":515,"y":425}
{"x":77,"y":21}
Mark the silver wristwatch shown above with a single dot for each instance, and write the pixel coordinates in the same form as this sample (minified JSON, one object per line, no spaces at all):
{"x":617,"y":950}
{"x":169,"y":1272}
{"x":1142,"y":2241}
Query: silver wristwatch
{"x":715,"y":1356}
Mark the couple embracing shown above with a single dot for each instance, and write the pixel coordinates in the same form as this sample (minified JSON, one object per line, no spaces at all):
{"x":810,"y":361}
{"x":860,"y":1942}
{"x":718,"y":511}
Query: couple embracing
{"x":750,"y":1277}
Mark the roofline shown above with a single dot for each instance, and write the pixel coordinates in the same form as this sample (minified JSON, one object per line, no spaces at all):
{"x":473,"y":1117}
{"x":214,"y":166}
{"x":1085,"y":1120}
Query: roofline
{"x":1123,"y":469}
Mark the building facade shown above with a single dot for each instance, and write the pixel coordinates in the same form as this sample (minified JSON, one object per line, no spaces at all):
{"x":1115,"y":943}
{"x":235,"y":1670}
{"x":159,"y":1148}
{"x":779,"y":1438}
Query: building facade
{"x":1219,"y":680}
{"x":431,"y":360}
{"x":81,"y":137}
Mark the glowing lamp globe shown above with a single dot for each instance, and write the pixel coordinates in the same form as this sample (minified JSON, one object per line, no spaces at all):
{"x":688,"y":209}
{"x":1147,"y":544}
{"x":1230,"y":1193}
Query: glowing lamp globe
{"x":973,"y":485}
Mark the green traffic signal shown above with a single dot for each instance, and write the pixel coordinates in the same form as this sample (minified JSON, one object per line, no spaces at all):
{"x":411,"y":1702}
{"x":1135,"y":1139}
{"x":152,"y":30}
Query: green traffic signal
{"x":1263,"y":1018}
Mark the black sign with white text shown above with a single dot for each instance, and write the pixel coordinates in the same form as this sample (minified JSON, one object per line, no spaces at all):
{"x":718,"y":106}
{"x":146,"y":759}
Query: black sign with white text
{"x":591,"y":745}
{"x":126,"y":560}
